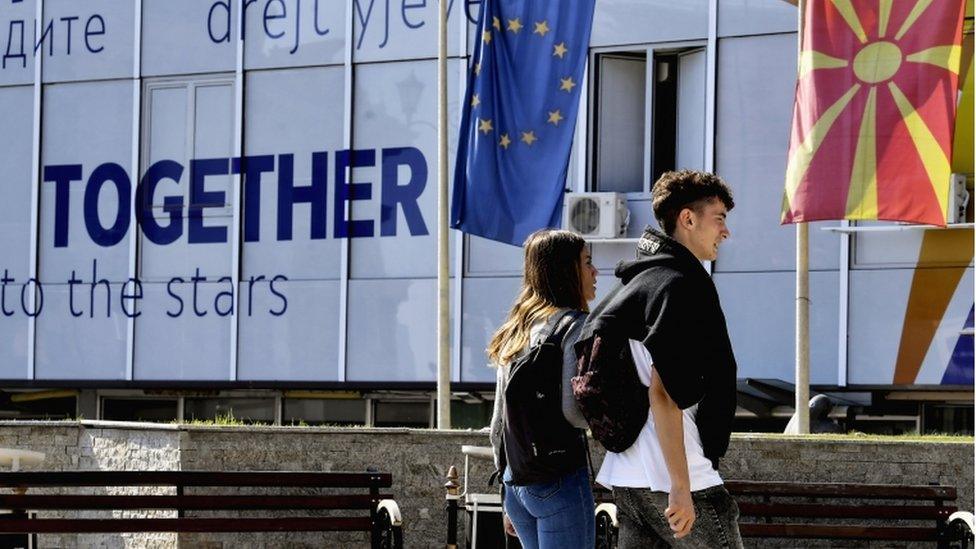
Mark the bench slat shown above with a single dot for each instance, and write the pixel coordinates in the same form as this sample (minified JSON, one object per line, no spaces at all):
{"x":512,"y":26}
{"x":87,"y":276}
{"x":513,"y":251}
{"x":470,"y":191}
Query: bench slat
{"x":89,"y":526}
{"x":867,"y":491}
{"x":195,"y":478}
{"x":207,"y":502}
{"x":821,"y":531}
{"x":908,"y":512}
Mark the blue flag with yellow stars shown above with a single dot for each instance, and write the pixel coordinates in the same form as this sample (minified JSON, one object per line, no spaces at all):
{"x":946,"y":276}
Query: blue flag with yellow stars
{"x":519,"y":116}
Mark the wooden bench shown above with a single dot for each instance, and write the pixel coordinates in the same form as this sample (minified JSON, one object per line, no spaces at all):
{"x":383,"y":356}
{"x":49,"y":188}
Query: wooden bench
{"x":243,"y":510}
{"x":795,"y":510}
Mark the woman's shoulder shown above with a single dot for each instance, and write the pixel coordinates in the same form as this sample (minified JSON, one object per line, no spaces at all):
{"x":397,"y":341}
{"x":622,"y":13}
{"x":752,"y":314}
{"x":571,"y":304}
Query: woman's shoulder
{"x":574,"y":317}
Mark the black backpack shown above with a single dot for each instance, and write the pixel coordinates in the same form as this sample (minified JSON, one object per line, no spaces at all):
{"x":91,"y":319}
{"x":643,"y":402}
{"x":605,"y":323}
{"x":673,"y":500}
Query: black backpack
{"x":608,"y":391}
{"x":540,"y":445}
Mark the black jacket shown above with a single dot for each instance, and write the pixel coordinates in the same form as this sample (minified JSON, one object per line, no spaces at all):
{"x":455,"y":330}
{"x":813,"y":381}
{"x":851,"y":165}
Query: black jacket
{"x":667,"y":300}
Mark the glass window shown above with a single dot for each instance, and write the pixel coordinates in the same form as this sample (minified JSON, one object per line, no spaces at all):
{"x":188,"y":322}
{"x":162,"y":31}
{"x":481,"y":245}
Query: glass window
{"x":188,"y":139}
{"x":677,"y":120}
{"x":619,"y":141}
{"x":88,"y":40}
{"x":246,"y":410}
{"x":139,"y":409}
{"x":313,"y":411}
{"x":37,"y":405}
{"x":188,"y":36}
{"x":399,"y":413}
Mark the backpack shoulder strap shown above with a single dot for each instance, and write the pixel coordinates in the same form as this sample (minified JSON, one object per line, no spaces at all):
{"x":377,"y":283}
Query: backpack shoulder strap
{"x":561,"y":327}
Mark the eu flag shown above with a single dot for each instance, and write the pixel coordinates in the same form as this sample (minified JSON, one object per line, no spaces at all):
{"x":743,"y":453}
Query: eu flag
{"x":519,"y":116}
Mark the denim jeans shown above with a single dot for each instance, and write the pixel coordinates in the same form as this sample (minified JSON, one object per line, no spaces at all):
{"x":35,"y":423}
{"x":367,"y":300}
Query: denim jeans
{"x":554,"y":515}
{"x":640,"y":514}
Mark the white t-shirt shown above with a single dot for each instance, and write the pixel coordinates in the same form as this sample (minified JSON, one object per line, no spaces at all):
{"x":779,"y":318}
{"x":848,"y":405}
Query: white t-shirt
{"x":642,"y":465}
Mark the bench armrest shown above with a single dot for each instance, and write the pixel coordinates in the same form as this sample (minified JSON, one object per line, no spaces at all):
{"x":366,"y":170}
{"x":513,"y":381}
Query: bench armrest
{"x":392,"y":509}
{"x":610,"y":509}
{"x":964,"y":522}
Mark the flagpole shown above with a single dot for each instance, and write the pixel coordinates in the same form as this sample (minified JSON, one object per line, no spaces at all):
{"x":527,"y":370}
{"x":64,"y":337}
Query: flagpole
{"x":802,"y":405}
{"x":443,"y":281}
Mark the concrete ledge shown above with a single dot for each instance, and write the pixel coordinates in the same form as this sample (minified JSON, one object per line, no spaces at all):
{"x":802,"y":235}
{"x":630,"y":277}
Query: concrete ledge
{"x":419,"y":460}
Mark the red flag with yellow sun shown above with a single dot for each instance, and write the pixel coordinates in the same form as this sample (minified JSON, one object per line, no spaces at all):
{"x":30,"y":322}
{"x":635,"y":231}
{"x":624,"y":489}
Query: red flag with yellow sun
{"x":874,"y":111}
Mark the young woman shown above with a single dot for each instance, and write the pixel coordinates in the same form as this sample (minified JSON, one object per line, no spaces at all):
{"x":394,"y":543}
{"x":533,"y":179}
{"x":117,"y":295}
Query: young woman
{"x":555,"y":510}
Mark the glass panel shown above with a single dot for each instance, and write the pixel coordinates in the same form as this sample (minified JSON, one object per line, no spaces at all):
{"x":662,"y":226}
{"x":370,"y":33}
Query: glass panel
{"x":291,"y":33}
{"x":89,"y":346}
{"x":139,"y":409}
{"x":297,"y":140}
{"x":87,"y":147}
{"x":756,"y":80}
{"x":16,"y":108}
{"x":758,"y":305}
{"x":648,"y":21}
{"x":188,"y":36}
{"x":190,"y":125}
{"x":289,"y":330}
{"x":324,"y":411}
{"x":90,"y":40}
{"x":184,"y":331}
{"x":402,"y":414}
{"x":404,"y":314}
{"x":408,"y":31}
{"x":620,"y":136}
{"x":395,"y":104}
{"x":16,"y":23}
{"x":690,"y":125}
{"x":229,"y":410}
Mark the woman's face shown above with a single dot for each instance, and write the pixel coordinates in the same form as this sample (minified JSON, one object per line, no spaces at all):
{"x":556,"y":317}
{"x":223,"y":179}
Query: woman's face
{"x":587,"y":274}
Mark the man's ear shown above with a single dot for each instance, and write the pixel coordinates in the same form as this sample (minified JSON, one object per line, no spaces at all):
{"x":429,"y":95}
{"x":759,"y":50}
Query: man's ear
{"x":685,"y":219}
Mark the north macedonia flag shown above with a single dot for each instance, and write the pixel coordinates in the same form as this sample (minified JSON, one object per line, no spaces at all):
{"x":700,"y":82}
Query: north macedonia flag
{"x":874,"y":111}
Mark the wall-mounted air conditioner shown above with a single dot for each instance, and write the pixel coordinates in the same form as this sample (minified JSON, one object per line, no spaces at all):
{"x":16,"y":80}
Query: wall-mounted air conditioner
{"x":596,"y":215}
{"x":960,"y":186}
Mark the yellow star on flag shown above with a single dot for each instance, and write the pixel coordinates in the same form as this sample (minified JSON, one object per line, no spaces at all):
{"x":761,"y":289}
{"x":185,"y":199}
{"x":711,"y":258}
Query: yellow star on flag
{"x":496,"y":23}
{"x":559,"y":50}
{"x":515,"y":25}
{"x":567,"y":84}
{"x":475,"y":101}
{"x":477,"y":68}
{"x":484,"y":126}
{"x":541,"y":28}
{"x":504,"y":142}
{"x":529,"y":138}
{"x":486,"y":37}
{"x":555,"y":117}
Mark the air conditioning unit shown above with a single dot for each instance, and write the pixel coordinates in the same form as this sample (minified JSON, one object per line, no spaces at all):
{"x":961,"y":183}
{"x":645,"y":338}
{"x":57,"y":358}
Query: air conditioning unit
{"x":960,"y":186}
{"x":596,"y":215}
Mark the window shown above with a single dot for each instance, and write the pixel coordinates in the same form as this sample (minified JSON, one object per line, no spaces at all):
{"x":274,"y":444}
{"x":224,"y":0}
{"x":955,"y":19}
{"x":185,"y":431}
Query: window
{"x":140,"y":409}
{"x":246,"y":410}
{"x":633,"y":144}
{"x":330,"y":411}
{"x":186,"y":120}
{"x":400,"y":413}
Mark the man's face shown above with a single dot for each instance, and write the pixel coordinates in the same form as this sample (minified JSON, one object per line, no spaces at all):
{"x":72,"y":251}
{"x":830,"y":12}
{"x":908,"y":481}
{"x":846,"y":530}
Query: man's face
{"x":707,"y":230}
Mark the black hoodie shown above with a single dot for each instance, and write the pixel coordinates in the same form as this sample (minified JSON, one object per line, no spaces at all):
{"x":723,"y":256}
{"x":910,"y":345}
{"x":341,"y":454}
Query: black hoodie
{"x":667,"y":300}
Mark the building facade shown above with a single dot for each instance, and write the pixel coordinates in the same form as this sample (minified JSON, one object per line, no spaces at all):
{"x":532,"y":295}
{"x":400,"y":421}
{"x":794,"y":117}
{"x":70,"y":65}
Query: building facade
{"x":231,"y":205}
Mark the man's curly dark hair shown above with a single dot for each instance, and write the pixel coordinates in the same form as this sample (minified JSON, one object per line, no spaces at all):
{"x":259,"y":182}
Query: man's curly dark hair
{"x":677,"y":190}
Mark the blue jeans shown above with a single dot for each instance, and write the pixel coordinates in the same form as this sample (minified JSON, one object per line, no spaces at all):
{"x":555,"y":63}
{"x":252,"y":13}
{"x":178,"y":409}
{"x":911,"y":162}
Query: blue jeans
{"x":555,"y":515}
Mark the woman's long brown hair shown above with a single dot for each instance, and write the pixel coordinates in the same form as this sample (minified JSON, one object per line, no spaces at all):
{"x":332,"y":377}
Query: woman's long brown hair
{"x":551,"y":280}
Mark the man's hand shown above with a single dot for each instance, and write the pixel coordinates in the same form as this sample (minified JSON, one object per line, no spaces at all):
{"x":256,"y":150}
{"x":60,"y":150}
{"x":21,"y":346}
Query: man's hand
{"x":509,"y":527}
{"x":680,"y":512}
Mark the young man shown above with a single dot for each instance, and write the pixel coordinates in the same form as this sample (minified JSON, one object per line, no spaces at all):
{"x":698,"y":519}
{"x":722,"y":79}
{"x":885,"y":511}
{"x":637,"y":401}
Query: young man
{"x":666,"y":485}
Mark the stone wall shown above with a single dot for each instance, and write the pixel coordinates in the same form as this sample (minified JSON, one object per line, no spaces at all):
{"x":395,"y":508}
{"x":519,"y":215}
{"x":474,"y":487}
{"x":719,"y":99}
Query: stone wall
{"x":419,"y":459}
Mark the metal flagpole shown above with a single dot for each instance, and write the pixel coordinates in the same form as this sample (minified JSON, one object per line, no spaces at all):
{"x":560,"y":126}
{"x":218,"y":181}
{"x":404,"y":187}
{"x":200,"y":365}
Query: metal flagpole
{"x":802,"y":405}
{"x":443,"y":281}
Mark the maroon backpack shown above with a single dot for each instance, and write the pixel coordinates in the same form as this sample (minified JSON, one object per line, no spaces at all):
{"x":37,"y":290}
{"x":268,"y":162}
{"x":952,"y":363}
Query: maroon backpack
{"x":609,"y":392}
